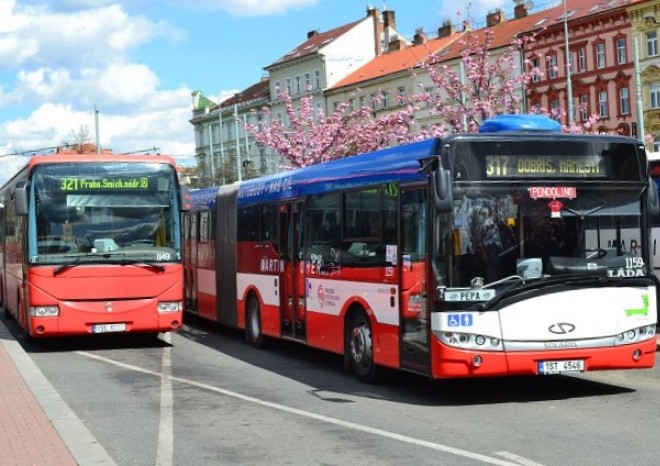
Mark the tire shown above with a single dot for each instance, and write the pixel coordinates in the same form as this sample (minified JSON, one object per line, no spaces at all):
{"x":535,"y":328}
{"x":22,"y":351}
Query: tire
{"x":361,"y":349}
{"x":253,"y":330}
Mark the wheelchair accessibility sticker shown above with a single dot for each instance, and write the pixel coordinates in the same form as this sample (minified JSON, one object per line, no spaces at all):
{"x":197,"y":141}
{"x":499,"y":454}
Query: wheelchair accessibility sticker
{"x":459,"y":320}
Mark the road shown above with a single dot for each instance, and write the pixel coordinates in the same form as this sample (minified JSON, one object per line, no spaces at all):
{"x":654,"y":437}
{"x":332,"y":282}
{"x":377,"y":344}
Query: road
{"x":204,"y":397}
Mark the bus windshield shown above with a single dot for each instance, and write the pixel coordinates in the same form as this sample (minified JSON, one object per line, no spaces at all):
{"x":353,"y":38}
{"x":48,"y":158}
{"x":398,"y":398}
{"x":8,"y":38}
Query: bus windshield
{"x":504,"y":231}
{"x":103,"y":211}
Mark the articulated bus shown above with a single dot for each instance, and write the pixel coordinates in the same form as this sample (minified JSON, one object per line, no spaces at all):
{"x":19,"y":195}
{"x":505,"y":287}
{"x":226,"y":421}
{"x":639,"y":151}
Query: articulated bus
{"x":490,"y":254}
{"x":92,"y":244}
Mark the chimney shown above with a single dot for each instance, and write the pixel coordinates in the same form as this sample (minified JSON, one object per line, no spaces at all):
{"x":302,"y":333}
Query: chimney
{"x":388,"y":24}
{"x":388,"y":19}
{"x":378,"y":29}
{"x":446,"y":30}
{"x":494,"y":18}
{"x":420,"y":36}
{"x":520,"y":11}
{"x":395,"y":45}
{"x":311,"y":34}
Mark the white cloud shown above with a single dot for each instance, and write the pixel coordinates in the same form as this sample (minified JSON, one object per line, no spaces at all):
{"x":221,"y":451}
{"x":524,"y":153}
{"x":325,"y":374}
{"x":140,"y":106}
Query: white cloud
{"x":35,"y":37}
{"x":59,"y":75}
{"x":245,"y":8}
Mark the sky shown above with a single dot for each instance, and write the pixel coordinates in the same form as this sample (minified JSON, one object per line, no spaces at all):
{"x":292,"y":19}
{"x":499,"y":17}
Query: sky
{"x":129,"y":67}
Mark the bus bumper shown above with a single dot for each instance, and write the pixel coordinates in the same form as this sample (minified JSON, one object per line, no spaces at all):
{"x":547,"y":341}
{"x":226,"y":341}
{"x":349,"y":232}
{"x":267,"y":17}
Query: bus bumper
{"x":452,"y":362}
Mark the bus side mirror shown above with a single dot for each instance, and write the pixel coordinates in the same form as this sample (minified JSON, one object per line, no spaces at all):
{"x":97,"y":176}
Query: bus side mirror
{"x":21,"y":191}
{"x":653,"y":201}
{"x":184,"y":200}
{"x":442,"y":193}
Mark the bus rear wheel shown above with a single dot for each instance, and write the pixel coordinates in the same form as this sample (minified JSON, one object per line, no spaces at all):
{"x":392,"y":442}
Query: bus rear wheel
{"x":361,"y":349}
{"x":253,"y":332}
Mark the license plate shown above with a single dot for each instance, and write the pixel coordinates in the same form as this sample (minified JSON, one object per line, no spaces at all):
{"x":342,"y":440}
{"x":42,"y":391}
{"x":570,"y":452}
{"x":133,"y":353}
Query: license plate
{"x":561,"y":367}
{"x":107,"y":328}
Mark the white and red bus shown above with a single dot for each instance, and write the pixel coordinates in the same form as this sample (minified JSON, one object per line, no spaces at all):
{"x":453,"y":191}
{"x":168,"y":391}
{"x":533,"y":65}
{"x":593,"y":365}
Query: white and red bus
{"x":92,"y":244}
{"x":498,"y":253}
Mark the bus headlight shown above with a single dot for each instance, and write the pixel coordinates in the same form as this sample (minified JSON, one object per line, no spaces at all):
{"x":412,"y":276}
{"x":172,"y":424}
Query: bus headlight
{"x":470,"y":341}
{"x":44,"y":311}
{"x":170,"y":306}
{"x":636,"y":335}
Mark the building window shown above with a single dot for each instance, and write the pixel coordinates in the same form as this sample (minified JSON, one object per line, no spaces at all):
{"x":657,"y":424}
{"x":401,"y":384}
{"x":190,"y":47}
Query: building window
{"x":277,"y":88}
{"x":655,"y":95}
{"x":621,"y":54}
{"x":298,"y":84}
{"x":317,"y":79}
{"x":656,"y":144}
{"x":624,"y":100}
{"x":386,"y":99}
{"x":363,"y":101}
{"x":536,"y":70}
{"x":552,"y":66}
{"x":288,"y":85}
{"x":600,"y":55}
{"x":554,"y":106}
{"x":584,"y":107}
{"x":374,"y":101}
{"x":308,"y":81}
{"x":602,"y":104}
{"x":582,"y":59}
{"x":652,"y":43}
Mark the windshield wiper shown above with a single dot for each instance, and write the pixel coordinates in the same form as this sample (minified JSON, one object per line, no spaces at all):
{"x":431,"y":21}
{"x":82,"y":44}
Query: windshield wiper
{"x":153,"y":265}
{"x":61,"y":268}
{"x":568,"y":280}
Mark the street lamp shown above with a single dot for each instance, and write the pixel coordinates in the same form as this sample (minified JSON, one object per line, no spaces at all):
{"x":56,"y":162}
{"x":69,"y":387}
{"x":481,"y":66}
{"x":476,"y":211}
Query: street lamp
{"x":569,"y":86}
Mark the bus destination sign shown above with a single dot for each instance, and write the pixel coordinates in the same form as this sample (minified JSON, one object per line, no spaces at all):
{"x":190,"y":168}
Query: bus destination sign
{"x":544,"y":166}
{"x":130,"y":183}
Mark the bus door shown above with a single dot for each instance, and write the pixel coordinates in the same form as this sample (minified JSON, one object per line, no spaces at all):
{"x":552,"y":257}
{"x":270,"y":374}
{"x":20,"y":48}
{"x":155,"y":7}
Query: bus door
{"x":414,"y":318}
{"x":292,"y":313}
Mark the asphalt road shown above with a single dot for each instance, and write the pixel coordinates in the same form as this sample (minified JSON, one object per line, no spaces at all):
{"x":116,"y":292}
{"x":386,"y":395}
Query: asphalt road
{"x":204,"y":397}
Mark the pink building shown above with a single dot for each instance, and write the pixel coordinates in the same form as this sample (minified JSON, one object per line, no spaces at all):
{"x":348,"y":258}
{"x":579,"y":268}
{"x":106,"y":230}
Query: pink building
{"x":602,"y":69}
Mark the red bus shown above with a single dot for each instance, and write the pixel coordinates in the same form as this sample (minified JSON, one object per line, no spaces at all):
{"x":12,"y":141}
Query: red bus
{"x":490,"y":254}
{"x":92,"y":244}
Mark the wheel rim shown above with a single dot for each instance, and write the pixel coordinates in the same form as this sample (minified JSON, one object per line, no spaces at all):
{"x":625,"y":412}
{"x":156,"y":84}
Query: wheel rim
{"x":254,"y":319}
{"x":361,"y":344}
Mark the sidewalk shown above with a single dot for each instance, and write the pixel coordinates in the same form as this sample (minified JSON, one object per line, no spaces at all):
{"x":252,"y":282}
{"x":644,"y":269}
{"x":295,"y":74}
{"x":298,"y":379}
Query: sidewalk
{"x":37,"y":427}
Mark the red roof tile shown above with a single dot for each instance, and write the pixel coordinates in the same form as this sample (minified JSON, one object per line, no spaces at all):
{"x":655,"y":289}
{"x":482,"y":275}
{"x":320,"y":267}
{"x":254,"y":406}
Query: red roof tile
{"x":393,"y":62}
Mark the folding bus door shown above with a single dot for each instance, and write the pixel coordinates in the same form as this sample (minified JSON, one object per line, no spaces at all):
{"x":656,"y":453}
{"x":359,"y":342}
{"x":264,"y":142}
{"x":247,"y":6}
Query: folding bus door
{"x":292,"y":313}
{"x":414,"y":318}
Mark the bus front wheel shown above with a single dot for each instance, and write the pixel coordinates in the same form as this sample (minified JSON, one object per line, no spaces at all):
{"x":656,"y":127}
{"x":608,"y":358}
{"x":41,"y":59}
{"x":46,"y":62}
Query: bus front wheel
{"x":253,"y":332}
{"x":361,"y":349}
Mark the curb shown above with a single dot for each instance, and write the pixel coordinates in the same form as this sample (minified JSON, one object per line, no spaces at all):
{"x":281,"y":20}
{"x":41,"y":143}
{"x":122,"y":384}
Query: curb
{"x":83,"y":446}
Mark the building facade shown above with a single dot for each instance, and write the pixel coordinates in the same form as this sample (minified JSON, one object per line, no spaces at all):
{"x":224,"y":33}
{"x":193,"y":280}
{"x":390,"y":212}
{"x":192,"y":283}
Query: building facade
{"x":645,"y":19}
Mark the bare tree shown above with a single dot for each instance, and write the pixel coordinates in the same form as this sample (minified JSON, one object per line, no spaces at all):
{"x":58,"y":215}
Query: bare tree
{"x":81,"y":141}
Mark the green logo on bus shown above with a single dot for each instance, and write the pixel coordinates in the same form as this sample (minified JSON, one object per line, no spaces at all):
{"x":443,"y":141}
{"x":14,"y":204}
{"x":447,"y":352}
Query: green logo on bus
{"x":640,"y":311}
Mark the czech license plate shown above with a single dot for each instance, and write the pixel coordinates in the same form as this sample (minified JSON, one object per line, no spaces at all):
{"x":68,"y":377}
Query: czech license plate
{"x":107,"y":328}
{"x":561,"y":367}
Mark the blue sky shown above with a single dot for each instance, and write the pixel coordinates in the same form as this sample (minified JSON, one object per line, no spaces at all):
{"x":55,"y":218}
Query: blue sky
{"x":138,"y":61}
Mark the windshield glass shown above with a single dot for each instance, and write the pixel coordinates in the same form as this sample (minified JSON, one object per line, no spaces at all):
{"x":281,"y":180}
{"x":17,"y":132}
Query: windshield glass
{"x":530,"y":232}
{"x":112,"y":211}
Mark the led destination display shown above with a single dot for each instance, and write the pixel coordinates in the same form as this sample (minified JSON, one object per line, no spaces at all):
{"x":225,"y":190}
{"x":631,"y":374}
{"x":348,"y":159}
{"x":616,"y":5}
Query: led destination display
{"x":561,"y":166}
{"x":72,"y":184}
